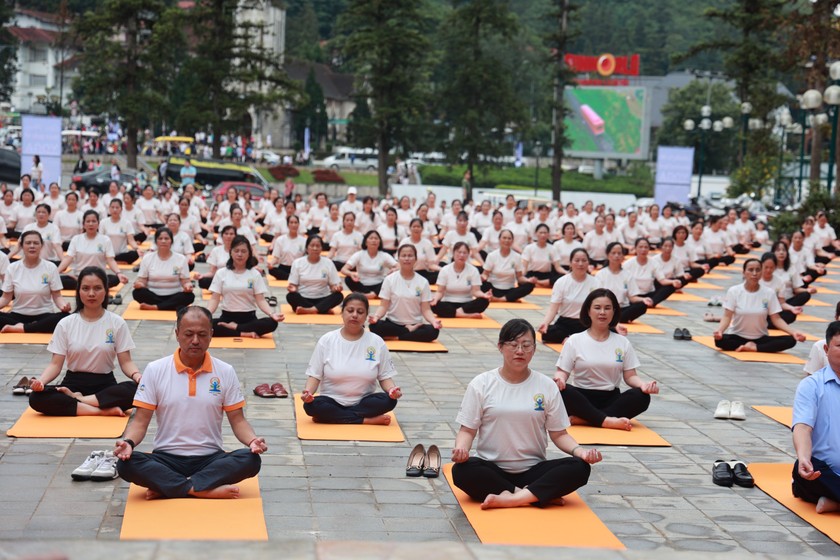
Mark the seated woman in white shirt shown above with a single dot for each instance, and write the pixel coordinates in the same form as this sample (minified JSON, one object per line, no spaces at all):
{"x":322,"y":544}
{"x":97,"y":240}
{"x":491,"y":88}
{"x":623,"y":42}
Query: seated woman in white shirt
{"x":69,"y":220}
{"x":717,"y":249}
{"x":503,"y":274}
{"x":330,"y":226}
{"x":540,"y":259}
{"x":426,"y":263}
{"x":163,"y":282}
{"x":622,"y":284}
{"x":460,"y":233}
{"x":34,"y":285}
{"x":25,"y":213}
{"x":667,"y":269}
{"x":391,"y":233}
{"x":346,"y":242}
{"x":595,"y":242}
{"x":368,"y":219}
{"x":314,"y":285}
{"x":686,"y":256}
{"x":642,"y":269}
{"x":564,"y":246}
{"x":746,"y":310}
{"x":513,"y":411}
{"x":825,"y":234}
{"x":51,"y":250}
{"x":430,"y":230}
{"x":802,"y":259}
{"x":490,"y":236}
{"x":769,"y":279}
{"x":88,"y":341}
{"x":218,"y":258}
{"x":404,"y":310}
{"x":519,"y":228}
{"x":567,"y":297}
{"x":367,"y":269}
{"x":631,"y":232}
{"x":459,"y":291}
{"x":134,"y":216}
{"x":90,"y":248}
{"x":794,"y":291}
{"x":274,"y":220}
{"x":599,"y":360}
{"x":346,"y":365}
{"x":121,"y":233}
{"x":286,"y":249}
{"x":241,"y":290}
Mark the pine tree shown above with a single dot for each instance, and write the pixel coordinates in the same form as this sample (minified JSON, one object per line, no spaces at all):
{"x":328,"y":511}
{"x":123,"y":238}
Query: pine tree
{"x":8,"y":52}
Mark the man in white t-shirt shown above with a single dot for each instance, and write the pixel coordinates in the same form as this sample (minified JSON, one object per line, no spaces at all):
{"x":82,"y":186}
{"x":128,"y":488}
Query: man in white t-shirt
{"x":188,"y":458}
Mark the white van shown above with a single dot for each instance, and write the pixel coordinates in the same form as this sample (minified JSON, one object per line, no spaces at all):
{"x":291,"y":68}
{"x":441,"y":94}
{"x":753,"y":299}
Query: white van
{"x":353,"y":158}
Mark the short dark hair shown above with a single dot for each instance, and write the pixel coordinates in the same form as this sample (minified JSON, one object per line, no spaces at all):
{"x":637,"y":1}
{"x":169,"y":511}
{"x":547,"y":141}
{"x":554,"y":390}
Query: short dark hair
{"x":355,"y":296}
{"x":613,"y":245}
{"x":192,"y":308}
{"x":161,"y":230}
{"x":410,"y":246}
{"x":832,"y":331}
{"x":36,"y":233}
{"x":91,"y":271}
{"x":748,"y":261}
{"x":45,"y":206}
{"x":309,"y":241}
{"x":242,"y":240}
{"x":90,"y":212}
{"x":368,"y":236}
{"x":515,"y":328}
{"x":587,"y":304}
{"x":577,"y":250}
{"x":639,"y":240}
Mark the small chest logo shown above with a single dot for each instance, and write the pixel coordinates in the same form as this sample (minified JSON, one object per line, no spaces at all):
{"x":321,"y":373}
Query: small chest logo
{"x":539,"y":402}
{"x":371,"y":354}
{"x":215,"y":386}
{"x":619,"y":356}
{"x":109,"y":336}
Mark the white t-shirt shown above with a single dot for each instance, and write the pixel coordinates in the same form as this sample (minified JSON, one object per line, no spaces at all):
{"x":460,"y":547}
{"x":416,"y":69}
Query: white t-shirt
{"x":667,"y":270}
{"x":90,"y":252}
{"x":91,"y":346}
{"x":539,"y":259}
{"x":597,"y":365}
{"x":458,"y":285}
{"x":350,"y":369}
{"x":425,"y":253}
{"x":25,"y":215}
{"x":570,"y":294}
{"x":790,"y":281}
{"x":816,"y":358}
{"x":596,"y":245}
{"x":622,"y":284}
{"x":750,"y":310}
{"x":491,"y":236}
{"x":51,"y":249}
{"x":629,"y":235}
{"x":564,"y":251}
{"x":521,"y":236}
{"x":316,"y":216}
{"x":452,"y":237}
{"x":32,"y":287}
{"x":586,"y":221}
{"x":69,"y":223}
{"x":372,"y":270}
{"x":117,"y":232}
{"x":329,"y":228}
{"x":390,"y":240}
{"x":150,"y":208}
{"x":345,"y":245}
{"x":405,"y":297}
{"x":164,"y":276}
{"x":502,"y":272}
{"x":643,"y":275}
{"x":512,"y":419}
{"x":656,"y":229}
{"x":287,"y":249}
{"x":238,"y":290}
{"x":55,"y":205}
{"x":218,"y":257}
{"x":100,"y":209}
{"x":314,"y":280}
{"x":824,"y":236}
{"x":189,"y":423}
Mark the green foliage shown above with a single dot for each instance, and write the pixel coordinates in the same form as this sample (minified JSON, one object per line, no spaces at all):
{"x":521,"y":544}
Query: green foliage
{"x":312,"y":114}
{"x":760,"y":168}
{"x":302,"y":33}
{"x":8,"y":54}
{"x":361,"y":130}
{"x":788,"y":222}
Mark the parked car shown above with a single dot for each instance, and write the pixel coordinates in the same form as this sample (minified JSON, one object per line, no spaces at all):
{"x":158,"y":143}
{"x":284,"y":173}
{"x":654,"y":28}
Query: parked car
{"x":9,"y":166}
{"x":258,"y":192}
{"x":101,"y":178}
{"x":271,"y":158}
{"x":352,"y":158}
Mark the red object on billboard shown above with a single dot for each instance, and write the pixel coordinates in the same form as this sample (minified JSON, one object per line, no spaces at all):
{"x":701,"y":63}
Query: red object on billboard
{"x":624,"y":65}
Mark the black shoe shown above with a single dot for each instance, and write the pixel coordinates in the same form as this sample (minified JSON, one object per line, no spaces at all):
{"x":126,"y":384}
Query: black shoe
{"x":416,"y":460}
{"x":136,"y":268}
{"x":686,"y":334}
{"x":201,"y":258}
{"x":678,"y":334}
{"x":116,"y":300}
{"x":431,"y":465}
{"x":722,"y":474}
{"x":740,"y":475}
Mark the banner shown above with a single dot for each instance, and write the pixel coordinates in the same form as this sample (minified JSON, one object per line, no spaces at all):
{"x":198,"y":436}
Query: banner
{"x":306,"y":147}
{"x":41,"y":136}
{"x":605,"y":64}
{"x":673,"y":175}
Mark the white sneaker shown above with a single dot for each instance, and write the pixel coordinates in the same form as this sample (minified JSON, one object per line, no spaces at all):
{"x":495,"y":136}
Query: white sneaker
{"x":737,"y":412}
{"x":723,"y":409}
{"x":106,"y":469}
{"x":86,"y":469}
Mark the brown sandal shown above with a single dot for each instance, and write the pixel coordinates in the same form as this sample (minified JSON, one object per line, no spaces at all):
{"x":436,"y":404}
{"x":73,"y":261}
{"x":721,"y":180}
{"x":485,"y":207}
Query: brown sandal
{"x":279,"y":391}
{"x":264,"y":391}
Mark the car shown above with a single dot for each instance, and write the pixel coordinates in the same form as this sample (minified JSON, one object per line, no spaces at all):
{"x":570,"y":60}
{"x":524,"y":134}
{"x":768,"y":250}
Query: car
{"x":352,"y":158}
{"x":258,"y":192}
{"x":101,"y":178}
{"x":9,"y":166}
{"x":271,"y":158}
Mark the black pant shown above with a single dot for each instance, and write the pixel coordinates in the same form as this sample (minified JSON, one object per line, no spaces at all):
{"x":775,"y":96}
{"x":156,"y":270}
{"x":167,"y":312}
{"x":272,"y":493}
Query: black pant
{"x":127,"y":257}
{"x":387,"y":328}
{"x":204,"y":283}
{"x":826,"y":486}
{"x":593,"y":406}
{"x":173,"y":476}
{"x":164,"y":303}
{"x":551,"y":276}
{"x":44,"y":323}
{"x":563,"y":328}
{"x":70,"y":283}
{"x":108,"y":392}
{"x":449,"y":308}
{"x":429,"y":275}
{"x":660,"y":293}
{"x":547,"y":480}
{"x":246,"y":321}
{"x":633,"y":311}
{"x":766,"y":343}
{"x":327,"y":411}
{"x":362,"y":288}
{"x":323,"y":305}
{"x":740,"y":249}
{"x":281,"y":271}
{"x":510,"y":294}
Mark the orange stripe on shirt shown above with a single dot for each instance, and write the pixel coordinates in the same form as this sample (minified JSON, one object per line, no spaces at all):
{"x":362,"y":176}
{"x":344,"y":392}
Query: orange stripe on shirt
{"x":147,"y":406}
{"x":236,"y":406}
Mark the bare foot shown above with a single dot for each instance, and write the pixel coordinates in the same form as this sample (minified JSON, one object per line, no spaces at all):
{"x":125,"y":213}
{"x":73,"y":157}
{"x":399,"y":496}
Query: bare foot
{"x":559,"y":501}
{"x":381,"y":420}
{"x":148,"y":307}
{"x":462,"y":315}
{"x":494,"y":298}
{"x":493,"y":500}
{"x":826,"y":505}
{"x":506,"y":499}
{"x":748,"y":347}
{"x":306,"y":311}
{"x":575,"y":421}
{"x":113,"y":411}
{"x":617,"y":423}
{"x":223,"y":492}
{"x":371,"y":295}
{"x":16,"y":328}
{"x":69,"y":393}
{"x":249,"y":335}
{"x":152,"y":495}
{"x":84,"y":409}
{"x":412,"y":328}
{"x":229,"y":325}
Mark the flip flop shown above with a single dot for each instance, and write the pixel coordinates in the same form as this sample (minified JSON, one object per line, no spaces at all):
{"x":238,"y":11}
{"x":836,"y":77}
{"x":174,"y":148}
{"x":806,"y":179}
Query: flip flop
{"x":279,"y":391}
{"x":272,"y":301}
{"x":116,"y":300}
{"x":264,"y":391}
{"x":21,"y":387}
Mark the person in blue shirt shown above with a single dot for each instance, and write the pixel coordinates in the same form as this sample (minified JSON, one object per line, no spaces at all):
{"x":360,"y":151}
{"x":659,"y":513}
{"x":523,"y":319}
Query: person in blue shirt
{"x":188,"y":172}
{"x":816,"y":472}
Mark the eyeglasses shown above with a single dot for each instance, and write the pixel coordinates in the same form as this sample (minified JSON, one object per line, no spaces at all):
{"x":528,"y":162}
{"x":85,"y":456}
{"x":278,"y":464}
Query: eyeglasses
{"x":524,"y":346}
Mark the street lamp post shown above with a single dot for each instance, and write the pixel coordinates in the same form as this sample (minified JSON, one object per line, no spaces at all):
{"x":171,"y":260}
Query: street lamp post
{"x":832,"y":99}
{"x":811,"y":101}
{"x":746,"y":109}
{"x":537,"y":154}
{"x":705,"y":125}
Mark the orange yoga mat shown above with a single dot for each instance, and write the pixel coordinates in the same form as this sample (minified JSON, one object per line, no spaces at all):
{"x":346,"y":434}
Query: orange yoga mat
{"x":827,"y":291}
{"x":805,"y":318}
{"x":514,"y":305}
{"x":808,"y":337}
{"x":781,"y":414}
{"x":128,"y":266}
{"x":307,"y":429}
{"x":556,"y":346}
{"x":639,"y":436}
{"x":408,"y":346}
{"x":774,"y":479}
{"x":25,"y":338}
{"x":767,"y":357}
{"x":293,"y":318}
{"x":241,"y":519}
{"x":266,"y":342}
{"x":664,"y":312}
{"x":33,"y":424}
{"x":828,"y":279}
{"x":700,"y":285}
{"x":541,"y":292}
{"x":717,"y":276}
{"x":817,"y":303}
{"x":686,"y":297}
{"x":456,"y":323}
{"x":641,"y":328}
{"x":275,"y":283}
{"x":134,"y":313}
{"x":572,"y":525}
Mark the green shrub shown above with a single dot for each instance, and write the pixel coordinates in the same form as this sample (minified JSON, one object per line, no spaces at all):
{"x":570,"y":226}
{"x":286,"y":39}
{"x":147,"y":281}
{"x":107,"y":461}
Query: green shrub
{"x":788,"y":222}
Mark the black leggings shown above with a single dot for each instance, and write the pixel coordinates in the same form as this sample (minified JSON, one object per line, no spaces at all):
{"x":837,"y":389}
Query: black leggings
{"x":71,"y":283}
{"x":429,"y":275}
{"x":128,"y":257}
{"x":448,"y":309}
{"x":593,"y":406}
{"x":44,"y":323}
{"x":281,"y":271}
{"x":108,"y":392}
{"x":246,"y":321}
{"x":204,"y":283}
{"x":551,"y":276}
{"x":362,"y":288}
{"x":766,"y":343}
{"x":563,"y":328}
{"x":547,"y":480}
{"x":327,"y":411}
{"x":510,"y":294}
{"x":387,"y":328}
{"x":323,"y":305}
{"x":164,"y":303}
{"x":633,"y":311}
{"x":660,"y":293}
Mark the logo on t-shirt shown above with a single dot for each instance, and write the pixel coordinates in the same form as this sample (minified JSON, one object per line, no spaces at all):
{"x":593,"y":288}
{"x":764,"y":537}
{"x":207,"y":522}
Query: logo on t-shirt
{"x":323,"y":274}
{"x":250,"y":284}
{"x":764,"y":304}
{"x":371,"y":354}
{"x":176,"y":270}
{"x":109,"y":336}
{"x":45,"y":279}
{"x":215,"y":386}
{"x":619,"y":355}
{"x":100,"y":248}
{"x":539,"y":402}
{"x":418,"y":291}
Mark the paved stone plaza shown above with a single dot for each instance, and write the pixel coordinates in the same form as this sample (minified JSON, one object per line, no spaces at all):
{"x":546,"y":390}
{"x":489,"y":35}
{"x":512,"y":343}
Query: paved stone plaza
{"x":317,"y":493}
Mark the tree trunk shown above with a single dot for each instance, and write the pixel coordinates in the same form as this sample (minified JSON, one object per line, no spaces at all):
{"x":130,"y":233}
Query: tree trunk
{"x":131,"y":125}
{"x":217,"y":141}
{"x":131,"y":145}
{"x":469,"y":186}
{"x":816,"y":153}
{"x":382,"y":158}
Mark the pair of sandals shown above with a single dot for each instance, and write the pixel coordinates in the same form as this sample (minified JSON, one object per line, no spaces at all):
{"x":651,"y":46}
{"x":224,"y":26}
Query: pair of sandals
{"x":275,"y":391}
{"x":727,"y":473}
{"x":682,"y":334}
{"x":272,"y":300}
{"x":22,"y":387}
{"x":422,"y":462}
